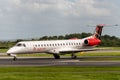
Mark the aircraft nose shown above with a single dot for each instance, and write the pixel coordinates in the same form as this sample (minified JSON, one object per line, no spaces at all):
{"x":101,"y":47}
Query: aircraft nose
{"x":10,"y":51}
{"x":14,"y":50}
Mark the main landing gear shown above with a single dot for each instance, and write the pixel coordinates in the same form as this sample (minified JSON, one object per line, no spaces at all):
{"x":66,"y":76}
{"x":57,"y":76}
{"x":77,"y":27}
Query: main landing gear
{"x":56,"y":56}
{"x":73,"y":56}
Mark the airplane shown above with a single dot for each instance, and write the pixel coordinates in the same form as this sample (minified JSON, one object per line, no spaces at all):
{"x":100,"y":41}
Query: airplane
{"x":58,"y":47}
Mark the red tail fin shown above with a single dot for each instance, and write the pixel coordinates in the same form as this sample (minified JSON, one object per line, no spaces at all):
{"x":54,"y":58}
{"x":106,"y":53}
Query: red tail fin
{"x":98,"y":31}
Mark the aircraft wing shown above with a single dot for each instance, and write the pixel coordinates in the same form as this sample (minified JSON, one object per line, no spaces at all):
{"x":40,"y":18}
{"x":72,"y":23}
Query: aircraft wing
{"x":70,"y":50}
{"x":76,"y":50}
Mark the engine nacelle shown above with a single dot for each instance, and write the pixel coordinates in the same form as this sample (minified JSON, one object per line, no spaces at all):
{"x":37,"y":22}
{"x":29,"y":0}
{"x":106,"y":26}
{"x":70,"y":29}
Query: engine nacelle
{"x":92,"y":41}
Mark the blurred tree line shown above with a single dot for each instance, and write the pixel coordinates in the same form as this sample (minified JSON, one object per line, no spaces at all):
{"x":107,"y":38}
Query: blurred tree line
{"x":107,"y":40}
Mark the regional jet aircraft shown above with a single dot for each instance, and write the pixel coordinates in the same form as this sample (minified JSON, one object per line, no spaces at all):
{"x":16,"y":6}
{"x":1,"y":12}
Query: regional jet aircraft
{"x":57,"y":47}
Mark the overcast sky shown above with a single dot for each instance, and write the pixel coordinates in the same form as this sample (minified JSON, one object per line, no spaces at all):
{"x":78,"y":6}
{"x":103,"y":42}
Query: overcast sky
{"x":23,"y":19}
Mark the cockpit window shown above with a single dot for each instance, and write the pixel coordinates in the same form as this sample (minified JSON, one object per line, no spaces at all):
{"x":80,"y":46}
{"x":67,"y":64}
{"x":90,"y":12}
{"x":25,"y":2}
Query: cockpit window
{"x":20,"y":45}
{"x":24,"y":45}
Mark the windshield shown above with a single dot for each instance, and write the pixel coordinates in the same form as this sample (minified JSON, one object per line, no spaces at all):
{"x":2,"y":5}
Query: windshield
{"x":20,"y":45}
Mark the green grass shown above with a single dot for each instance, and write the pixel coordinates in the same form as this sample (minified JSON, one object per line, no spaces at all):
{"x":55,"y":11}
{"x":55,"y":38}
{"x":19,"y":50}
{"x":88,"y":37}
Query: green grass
{"x":63,"y":73}
{"x":111,"y":48}
{"x":59,"y":73}
{"x":3,"y":50}
{"x":100,"y":54}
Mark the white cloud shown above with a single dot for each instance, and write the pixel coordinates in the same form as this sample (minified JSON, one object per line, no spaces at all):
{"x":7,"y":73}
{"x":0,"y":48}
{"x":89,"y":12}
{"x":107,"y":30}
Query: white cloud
{"x":15,"y":2}
{"x":87,"y":7}
{"x":65,"y":7}
{"x":66,"y":16}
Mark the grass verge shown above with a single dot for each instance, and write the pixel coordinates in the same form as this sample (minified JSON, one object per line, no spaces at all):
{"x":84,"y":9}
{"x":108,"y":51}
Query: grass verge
{"x":60,"y":73}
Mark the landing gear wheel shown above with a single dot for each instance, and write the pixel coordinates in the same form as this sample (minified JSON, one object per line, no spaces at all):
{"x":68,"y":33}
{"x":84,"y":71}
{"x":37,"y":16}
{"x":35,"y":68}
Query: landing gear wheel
{"x":14,"y":56}
{"x":73,"y":56}
{"x":56,"y":56}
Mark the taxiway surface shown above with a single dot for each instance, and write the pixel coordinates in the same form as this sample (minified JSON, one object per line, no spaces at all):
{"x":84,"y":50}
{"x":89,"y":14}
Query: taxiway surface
{"x":7,"y":61}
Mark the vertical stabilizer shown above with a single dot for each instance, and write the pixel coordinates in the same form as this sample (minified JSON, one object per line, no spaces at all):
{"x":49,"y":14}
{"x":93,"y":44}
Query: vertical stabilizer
{"x":98,"y":31}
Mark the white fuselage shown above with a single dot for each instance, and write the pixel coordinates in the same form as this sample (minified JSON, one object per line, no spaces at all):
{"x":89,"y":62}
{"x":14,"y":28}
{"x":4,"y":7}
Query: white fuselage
{"x":52,"y":46}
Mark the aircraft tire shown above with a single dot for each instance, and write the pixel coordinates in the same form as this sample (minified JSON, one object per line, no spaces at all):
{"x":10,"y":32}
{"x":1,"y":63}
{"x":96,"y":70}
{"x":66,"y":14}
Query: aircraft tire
{"x":14,"y":58}
{"x":56,"y":56}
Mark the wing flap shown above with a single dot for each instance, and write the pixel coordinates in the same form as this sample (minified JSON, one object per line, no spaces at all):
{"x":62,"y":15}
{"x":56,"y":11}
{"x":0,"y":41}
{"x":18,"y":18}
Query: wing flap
{"x":76,"y":50}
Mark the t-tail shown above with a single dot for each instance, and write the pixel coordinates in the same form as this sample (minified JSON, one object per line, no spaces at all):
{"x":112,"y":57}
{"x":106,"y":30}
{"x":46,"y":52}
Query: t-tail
{"x":98,"y":31}
{"x":95,"y":38}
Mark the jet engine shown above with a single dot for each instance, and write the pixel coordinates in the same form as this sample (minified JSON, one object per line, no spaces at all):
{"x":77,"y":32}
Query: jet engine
{"x":92,"y":41}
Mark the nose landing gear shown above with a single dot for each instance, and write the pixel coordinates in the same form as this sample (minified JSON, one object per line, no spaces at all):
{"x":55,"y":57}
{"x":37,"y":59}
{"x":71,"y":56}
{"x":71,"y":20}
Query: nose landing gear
{"x":14,"y":56}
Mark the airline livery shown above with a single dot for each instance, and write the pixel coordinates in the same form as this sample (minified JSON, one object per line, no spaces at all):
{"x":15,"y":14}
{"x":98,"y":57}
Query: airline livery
{"x":57,"y":47}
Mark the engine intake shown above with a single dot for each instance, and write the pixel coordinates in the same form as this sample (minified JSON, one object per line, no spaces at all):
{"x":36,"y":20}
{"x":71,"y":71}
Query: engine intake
{"x":92,"y":41}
